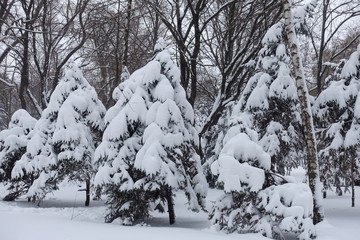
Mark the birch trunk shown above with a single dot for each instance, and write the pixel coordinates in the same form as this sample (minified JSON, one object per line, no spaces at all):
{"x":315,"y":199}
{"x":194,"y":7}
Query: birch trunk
{"x":352,"y":182}
{"x":306,"y":115}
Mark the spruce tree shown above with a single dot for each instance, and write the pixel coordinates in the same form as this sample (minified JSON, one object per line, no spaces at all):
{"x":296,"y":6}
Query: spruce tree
{"x":254,"y":199}
{"x":65,"y":137}
{"x":265,"y":140}
{"x":13,"y":143}
{"x":336,"y":115}
{"x":148,"y":147}
{"x":271,"y":99}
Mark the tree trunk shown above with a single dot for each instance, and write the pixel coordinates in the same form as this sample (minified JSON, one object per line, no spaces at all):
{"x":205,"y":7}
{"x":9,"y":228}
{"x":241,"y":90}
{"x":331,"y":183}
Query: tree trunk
{"x":156,"y":26}
{"x":24,"y":80}
{"x":170,"y":202}
{"x":184,"y":70}
{"x":352,"y":182}
{"x":127,"y":34}
{"x":4,"y":7}
{"x":194,"y":59}
{"x":87,"y":201}
{"x":306,"y":115}
{"x":321,"y":48}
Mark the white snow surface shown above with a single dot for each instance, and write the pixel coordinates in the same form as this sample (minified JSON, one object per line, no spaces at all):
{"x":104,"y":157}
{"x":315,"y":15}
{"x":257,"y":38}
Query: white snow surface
{"x":61,"y":216}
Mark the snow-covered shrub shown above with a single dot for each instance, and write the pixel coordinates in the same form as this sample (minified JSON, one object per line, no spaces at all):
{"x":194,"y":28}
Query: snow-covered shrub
{"x":147,"y":151}
{"x":285,"y":208}
{"x":240,"y":168}
{"x":13,"y":143}
{"x":65,"y":137}
{"x":254,"y":200}
{"x":337,"y":115}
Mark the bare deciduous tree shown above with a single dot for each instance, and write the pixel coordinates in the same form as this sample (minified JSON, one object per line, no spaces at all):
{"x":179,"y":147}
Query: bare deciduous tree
{"x":333,"y":18}
{"x":233,"y":40}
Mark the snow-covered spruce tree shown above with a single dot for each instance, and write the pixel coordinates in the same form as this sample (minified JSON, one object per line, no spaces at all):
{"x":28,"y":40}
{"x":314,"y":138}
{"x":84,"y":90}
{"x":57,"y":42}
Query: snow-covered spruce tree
{"x":65,"y":137}
{"x":337,"y":117}
{"x":271,"y":99}
{"x":147,"y":152}
{"x":13,"y":143}
{"x":252,"y":201}
{"x":332,"y":119}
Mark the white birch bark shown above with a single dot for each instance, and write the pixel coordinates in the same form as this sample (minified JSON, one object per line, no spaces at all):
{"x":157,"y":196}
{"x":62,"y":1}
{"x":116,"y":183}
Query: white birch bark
{"x":306,"y":115}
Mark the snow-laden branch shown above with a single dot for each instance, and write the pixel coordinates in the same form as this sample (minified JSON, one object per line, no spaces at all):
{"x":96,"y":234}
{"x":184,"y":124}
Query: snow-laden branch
{"x":346,"y":47}
{"x":9,"y":84}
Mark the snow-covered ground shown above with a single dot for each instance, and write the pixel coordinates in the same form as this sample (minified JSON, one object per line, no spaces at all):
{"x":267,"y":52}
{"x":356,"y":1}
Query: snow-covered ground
{"x":62,"y":216}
